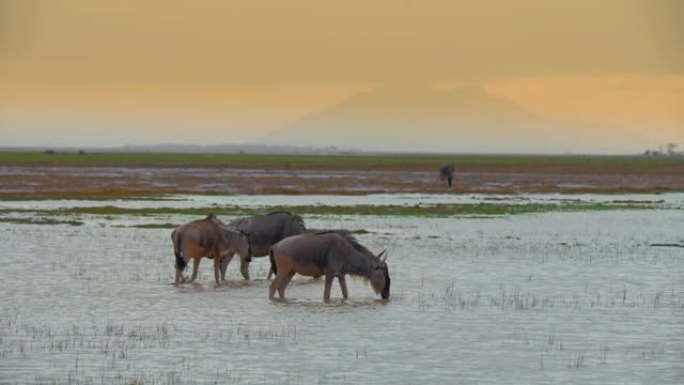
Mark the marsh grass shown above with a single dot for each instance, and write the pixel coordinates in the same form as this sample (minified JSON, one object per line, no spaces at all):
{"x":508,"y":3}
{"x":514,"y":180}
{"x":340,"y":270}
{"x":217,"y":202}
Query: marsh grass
{"x":577,"y":361}
{"x":513,"y":298}
{"x":119,"y":339}
{"x":681,"y":245}
{"x":153,"y":226}
{"x":113,"y":346}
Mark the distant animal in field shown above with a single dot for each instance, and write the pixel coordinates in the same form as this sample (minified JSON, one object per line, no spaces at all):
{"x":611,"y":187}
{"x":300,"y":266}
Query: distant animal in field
{"x":211,"y":238}
{"x":446,"y":172}
{"x":263,"y":232}
{"x":330,"y":253}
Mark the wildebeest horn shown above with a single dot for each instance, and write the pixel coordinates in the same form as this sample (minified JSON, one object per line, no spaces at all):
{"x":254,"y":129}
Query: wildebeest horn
{"x":380,"y":255}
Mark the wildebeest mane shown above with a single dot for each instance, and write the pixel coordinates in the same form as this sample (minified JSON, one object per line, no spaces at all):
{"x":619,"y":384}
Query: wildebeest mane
{"x":349,"y":237}
{"x":281,"y":212}
{"x":346,"y":234}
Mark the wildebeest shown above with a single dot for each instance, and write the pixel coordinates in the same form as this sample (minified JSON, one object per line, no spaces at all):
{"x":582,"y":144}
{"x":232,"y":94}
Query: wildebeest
{"x":264,"y":231}
{"x":208,"y":237}
{"x":333,"y":253}
{"x":446,"y":172}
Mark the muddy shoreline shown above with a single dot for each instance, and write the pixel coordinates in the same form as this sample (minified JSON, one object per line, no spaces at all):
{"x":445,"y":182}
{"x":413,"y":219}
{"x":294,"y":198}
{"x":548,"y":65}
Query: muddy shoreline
{"x":38,"y":181}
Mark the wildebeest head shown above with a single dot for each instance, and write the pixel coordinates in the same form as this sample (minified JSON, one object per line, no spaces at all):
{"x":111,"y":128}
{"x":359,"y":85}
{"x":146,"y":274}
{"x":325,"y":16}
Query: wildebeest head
{"x":297,"y":225}
{"x":237,"y":241}
{"x":380,"y":279}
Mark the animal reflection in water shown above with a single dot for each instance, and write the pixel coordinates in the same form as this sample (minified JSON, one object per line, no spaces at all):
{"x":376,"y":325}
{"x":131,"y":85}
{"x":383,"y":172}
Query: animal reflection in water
{"x":263,"y":232}
{"x":208,"y":237}
{"x":330,"y":253}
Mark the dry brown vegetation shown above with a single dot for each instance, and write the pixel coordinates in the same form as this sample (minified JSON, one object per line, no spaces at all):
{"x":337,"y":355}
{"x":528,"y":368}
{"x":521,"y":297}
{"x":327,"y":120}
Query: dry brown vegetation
{"x":30,"y":175}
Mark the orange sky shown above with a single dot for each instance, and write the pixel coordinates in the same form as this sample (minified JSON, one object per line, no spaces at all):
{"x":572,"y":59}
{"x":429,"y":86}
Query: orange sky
{"x":89,"y":73}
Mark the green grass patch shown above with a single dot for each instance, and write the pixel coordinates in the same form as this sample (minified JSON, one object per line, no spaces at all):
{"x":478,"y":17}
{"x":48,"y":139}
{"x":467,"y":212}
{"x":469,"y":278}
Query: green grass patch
{"x":346,"y":161}
{"x":438,"y":210}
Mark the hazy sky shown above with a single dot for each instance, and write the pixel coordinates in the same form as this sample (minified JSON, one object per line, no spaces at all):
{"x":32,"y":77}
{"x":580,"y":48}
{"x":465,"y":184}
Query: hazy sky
{"x":86,"y":72}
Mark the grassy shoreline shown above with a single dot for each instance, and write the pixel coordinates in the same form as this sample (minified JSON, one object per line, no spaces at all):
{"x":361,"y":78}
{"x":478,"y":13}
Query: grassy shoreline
{"x":435,"y":210}
{"x":597,"y":163}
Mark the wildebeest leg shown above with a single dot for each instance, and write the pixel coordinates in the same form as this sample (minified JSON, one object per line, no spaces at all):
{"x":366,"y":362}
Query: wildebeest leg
{"x":179,"y":276}
{"x":449,"y":180}
{"x":283,"y":285}
{"x":195,"y":269}
{"x":224,"y":264}
{"x":280,"y":277}
{"x":328,"y":284}
{"x":244,"y":268}
{"x":343,"y":286}
{"x":270,"y":273}
{"x":217,"y":268}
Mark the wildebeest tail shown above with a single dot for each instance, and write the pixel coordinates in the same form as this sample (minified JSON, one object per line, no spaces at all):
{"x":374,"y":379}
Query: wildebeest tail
{"x":272,"y":259}
{"x":178,"y":250}
{"x":180,"y":261}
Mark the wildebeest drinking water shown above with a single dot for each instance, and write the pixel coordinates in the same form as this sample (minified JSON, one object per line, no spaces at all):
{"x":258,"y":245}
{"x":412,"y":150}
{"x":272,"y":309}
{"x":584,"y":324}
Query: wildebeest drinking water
{"x":446,"y":172}
{"x":264,"y":231}
{"x":208,"y":237}
{"x":329,"y":253}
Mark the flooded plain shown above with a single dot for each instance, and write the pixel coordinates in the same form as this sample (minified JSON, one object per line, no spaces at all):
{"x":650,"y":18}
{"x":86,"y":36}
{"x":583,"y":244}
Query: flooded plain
{"x":573,"y":298}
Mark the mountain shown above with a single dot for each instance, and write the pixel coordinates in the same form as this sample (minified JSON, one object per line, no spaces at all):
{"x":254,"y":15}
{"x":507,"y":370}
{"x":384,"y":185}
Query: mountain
{"x":418,"y":118}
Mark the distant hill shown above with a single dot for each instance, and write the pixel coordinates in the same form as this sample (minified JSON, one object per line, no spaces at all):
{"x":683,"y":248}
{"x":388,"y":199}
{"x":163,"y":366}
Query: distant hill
{"x":420,"y":118}
{"x":417,"y":118}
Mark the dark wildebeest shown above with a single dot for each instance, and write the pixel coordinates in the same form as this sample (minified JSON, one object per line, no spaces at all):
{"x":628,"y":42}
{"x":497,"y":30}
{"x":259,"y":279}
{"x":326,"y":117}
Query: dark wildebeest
{"x":446,"y":172}
{"x":264,"y":231}
{"x":208,"y":237}
{"x":333,"y":253}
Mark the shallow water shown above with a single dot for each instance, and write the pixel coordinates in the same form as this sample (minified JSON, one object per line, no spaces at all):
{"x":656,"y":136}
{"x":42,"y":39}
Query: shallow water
{"x":537,"y":299}
{"x":251,"y":201}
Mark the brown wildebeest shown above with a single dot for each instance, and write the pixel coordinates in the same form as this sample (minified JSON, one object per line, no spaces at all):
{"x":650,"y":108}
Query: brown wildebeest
{"x":210,"y":238}
{"x":333,"y":253}
{"x":446,"y":172}
{"x":264,"y":231}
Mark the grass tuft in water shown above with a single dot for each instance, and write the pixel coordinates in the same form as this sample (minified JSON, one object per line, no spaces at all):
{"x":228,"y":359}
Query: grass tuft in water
{"x":40,"y":221}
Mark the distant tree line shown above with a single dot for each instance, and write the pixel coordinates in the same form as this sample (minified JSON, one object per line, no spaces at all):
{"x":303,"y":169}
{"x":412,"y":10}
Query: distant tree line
{"x":50,"y":151}
{"x":667,"y":149}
